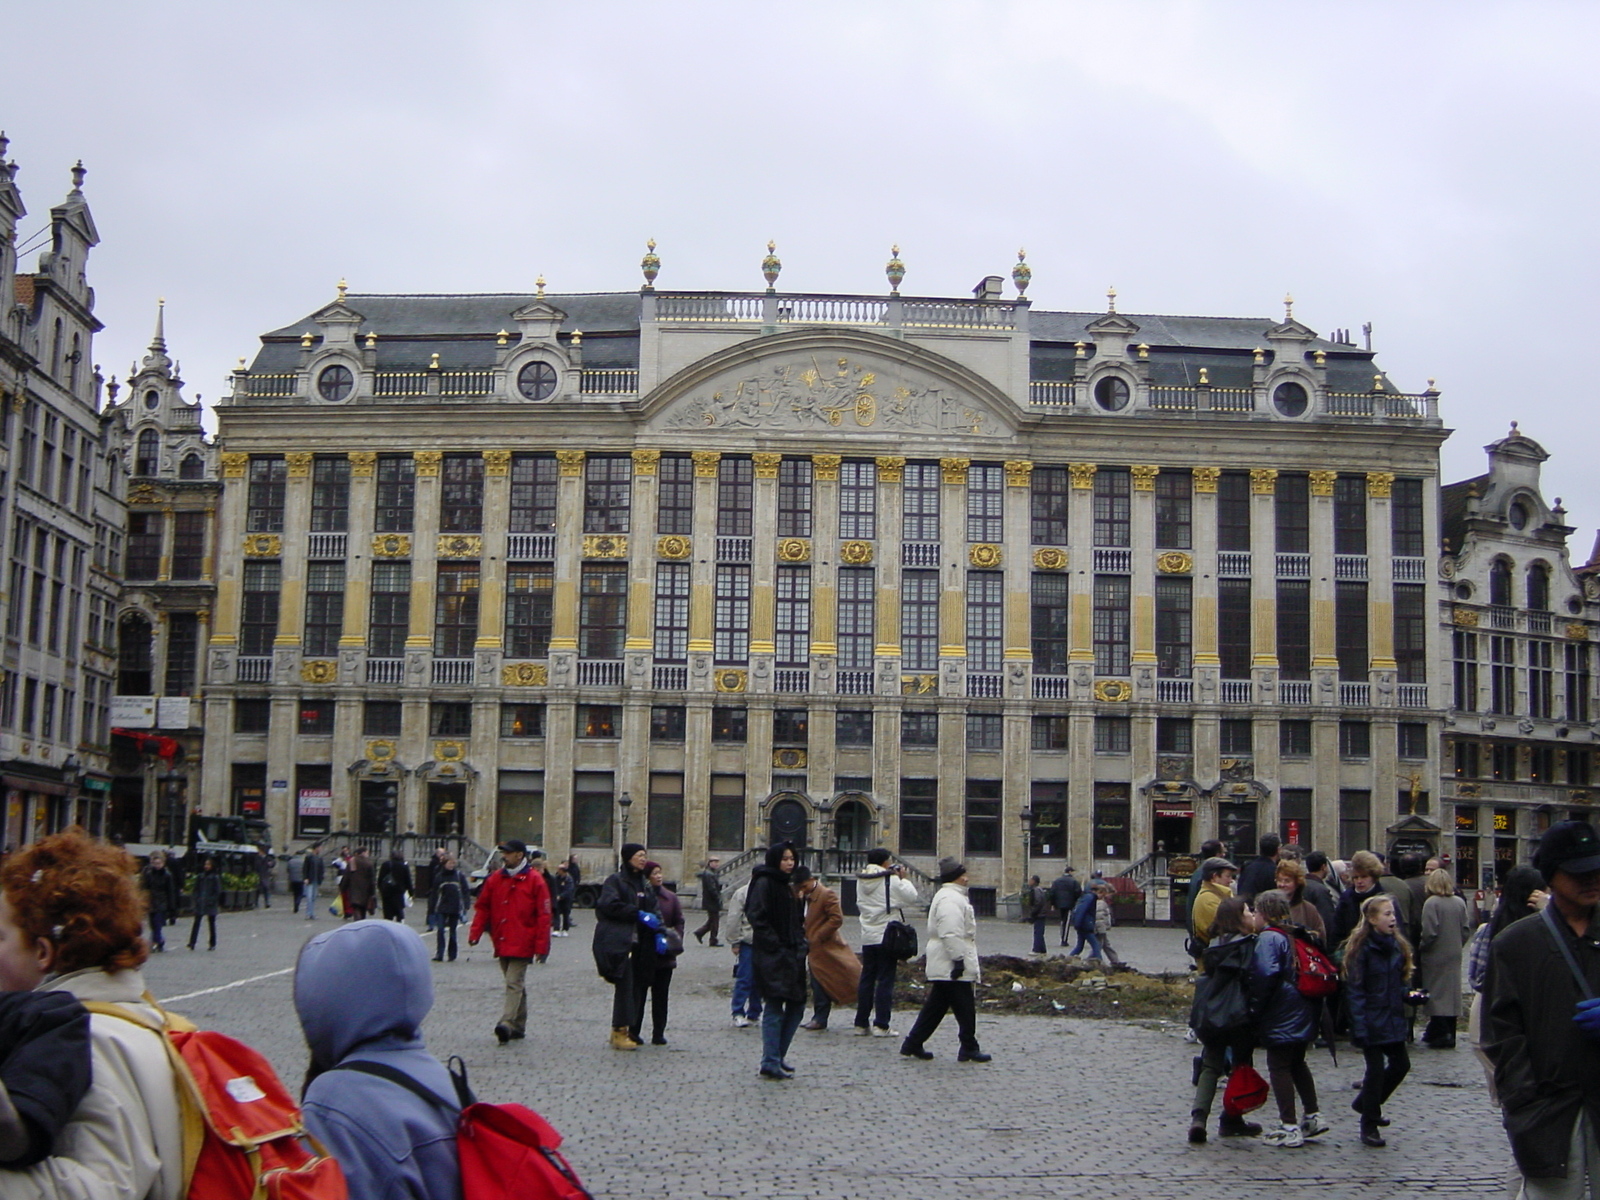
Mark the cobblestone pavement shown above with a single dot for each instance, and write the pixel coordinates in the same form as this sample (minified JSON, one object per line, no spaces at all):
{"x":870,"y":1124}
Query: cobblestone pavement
{"x":1065,"y":1105}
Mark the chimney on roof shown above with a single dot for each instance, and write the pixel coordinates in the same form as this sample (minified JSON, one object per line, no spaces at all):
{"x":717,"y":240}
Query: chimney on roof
{"x":989,"y":288}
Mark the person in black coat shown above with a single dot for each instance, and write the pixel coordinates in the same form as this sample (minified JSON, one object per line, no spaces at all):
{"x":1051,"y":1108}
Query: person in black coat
{"x":1260,"y":874}
{"x":1377,"y":964}
{"x":161,"y":885}
{"x":394,"y":883}
{"x":627,"y":917}
{"x":448,"y":900}
{"x":207,"y":900}
{"x":1541,"y":1034}
{"x":1064,"y":892}
{"x":311,"y":872}
{"x":778,"y":949}
{"x":710,"y":901}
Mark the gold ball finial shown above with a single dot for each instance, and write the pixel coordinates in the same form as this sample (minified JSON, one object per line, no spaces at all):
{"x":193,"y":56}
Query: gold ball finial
{"x":372,"y":340}
{"x":539,"y":283}
{"x":306,"y":339}
{"x":343,"y":288}
{"x":501,"y":337}
{"x":433,"y":362}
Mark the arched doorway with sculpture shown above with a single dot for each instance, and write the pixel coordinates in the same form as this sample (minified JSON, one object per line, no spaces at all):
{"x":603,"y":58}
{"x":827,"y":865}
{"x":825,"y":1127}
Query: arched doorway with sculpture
{"x":790,"y":817}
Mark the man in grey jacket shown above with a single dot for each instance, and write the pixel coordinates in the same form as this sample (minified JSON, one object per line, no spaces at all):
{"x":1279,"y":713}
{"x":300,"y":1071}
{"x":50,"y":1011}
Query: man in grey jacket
{"x":746,"y":999}
{"x":882,"y":894}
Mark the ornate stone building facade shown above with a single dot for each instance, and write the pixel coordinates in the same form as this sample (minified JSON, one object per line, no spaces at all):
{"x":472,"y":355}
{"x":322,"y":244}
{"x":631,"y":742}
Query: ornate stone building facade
{"x":60,"y":527}
{"x":951,"y":575}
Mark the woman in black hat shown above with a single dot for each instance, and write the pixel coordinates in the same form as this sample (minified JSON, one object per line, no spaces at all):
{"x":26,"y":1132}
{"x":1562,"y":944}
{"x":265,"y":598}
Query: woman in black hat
{"x":627,"y":918}
{"x":952,"y":967}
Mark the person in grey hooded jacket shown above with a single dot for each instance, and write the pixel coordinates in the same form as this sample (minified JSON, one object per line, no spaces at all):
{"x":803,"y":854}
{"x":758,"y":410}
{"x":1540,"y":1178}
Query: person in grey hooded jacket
{"x":361,"y":991}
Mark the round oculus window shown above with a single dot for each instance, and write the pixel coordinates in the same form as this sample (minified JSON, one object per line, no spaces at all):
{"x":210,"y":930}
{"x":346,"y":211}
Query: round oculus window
{"x":1519,"y":515}
{"x":335,"y":383}
{"x":1111,"y":393}
{"x":152,"y":399}
{"x":1290,"y":399}
{"x":1463,"y":591}
{"x":537,"y":381}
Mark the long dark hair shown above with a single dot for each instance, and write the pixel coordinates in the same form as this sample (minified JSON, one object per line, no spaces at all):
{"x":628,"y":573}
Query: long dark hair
{"x":1364,"y":929}
{"x":1518,"y":885}
{"x":1229,"y":921}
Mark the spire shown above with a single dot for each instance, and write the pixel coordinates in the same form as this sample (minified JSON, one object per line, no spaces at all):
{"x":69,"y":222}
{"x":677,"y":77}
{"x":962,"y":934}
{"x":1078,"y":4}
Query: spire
{"x":158,"y":344}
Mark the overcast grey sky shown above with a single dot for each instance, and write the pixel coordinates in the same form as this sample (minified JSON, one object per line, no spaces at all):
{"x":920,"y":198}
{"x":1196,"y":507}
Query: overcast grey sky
{"x":1427,"y":167}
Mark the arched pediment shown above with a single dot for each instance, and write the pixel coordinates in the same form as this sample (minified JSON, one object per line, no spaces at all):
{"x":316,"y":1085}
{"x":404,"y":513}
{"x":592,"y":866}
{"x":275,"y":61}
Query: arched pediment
{"x":824,"y":380}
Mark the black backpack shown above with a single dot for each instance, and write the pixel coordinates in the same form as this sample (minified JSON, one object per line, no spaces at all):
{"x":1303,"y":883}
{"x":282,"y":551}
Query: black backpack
{"x":1221,"y":1000}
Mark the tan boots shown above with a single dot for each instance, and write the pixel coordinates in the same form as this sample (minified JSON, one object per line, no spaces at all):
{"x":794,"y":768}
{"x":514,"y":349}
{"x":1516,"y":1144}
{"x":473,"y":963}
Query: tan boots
{"x":620,"y":1040}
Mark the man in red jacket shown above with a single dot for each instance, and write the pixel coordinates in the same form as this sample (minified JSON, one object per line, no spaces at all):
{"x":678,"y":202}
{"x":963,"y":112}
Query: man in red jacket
{"x":514,"y":904}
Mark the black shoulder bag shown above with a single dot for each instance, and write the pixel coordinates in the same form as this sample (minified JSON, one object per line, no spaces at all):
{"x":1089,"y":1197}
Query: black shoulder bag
{"x":898,"y":937}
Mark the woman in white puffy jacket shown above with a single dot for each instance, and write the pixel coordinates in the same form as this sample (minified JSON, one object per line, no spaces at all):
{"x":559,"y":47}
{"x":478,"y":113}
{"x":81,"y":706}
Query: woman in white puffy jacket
{"x":952,"y":967}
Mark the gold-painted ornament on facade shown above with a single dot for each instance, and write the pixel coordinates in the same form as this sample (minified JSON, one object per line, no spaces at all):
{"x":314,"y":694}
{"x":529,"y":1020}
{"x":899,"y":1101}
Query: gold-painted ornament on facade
{"x":460,"y":545}
{"x":262,"y":545}
{"x":392,"y":545}
{"x":1205,"y":478}
{"x":524,"y":674}
{"x":1322,"y":482}
{"x":1144,"y":477}
{"x":1578,"y":632}
{"x":235,"y":465}
{"x":319,"y":670}
{"x":705,"y":463}
{"x":1465,"y":616}
{"x":1379,"y":484}
{"x":427,"y":463}
{"x":984,"y":555}
{"x":673,"y":546}
{"x":1175,"y":562}
{"x":1019,"y":472}
{"x":496,"y":462}
{"x":766,"y":465}
{"x":1082,"y":475}
{"x":569,"y":462}
{"x":891,"y":468}
{"x":645,"y":462}
{"x":605,"y":545}
{"x":794,"y":550}
{"x":1113,"y":691}
{"x":855,"y":553}
{"x":954,"y":470}
{"x":825,"y":468}
{"x":730,"y":680}
{"x":363,"y":462}
{"x":1263,"y":481}
{"x":1050,"y":558}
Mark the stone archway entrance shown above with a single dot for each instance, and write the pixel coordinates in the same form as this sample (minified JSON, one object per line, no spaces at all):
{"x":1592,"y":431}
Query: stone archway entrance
{"x":852,"y":826}
{"x":788,"y":821}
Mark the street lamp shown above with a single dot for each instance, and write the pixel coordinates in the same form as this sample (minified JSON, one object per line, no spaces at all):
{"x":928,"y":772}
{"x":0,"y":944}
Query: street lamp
{"x":624,"y":802}
{"x":1026,"y":817}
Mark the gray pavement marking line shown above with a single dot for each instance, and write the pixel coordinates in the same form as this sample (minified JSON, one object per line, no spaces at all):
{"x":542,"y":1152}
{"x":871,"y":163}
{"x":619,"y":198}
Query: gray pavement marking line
{"x":224,"y":987}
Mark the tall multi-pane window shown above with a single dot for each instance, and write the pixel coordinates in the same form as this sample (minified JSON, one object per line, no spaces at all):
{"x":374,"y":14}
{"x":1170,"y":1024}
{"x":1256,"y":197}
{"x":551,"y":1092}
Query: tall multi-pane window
{"x":675,"y":494}
{"x":1050,"y":487}
{"x":1292,"y":514}
{"x":985,"y":497}
{"x":147,"y":458}
{"x":731,"y":612}
{"x":1502,"y":675}
{"x":1411,"y":632}
{"x":672,"y":612}
{"x":858,"y":499}
{"x":1113,"y":506}
{"x":1174,"y":510}
{"x":396,"y":497}
{"x":1464,"y":653}
{"x":183,"y":658}
{"x":794,"y":497}
{"x":1112,"y":735}
{"x":735,"y":496}
{"x":1233,"y":511}
{"x":983,"y":816}
{"x":602,"y":610}
{"x":855,"y":618}
{"x":1049,"y":611}
{"x":852,"y":727}
{"x":1405,"y":518}
{"x":607,"y":490}
{"x":1500,"y":582}
{"x":530,"y":588}
{"x":534,"y":482}
{"x":324,"y":607}
{"x":1350,"y":628}
{"x":919,"y":815}
{"x":455,"y":610}
{"x":1539,"y":587}
{"x":1233,"y":627}
{"x":1350,"y":514}
{"x":919,"y":620}
{"x":792,"y":618}
{"x":1174,"y":628}
{"x":461,"y":493}
{"x":1111,"y":624}
{"x":985,"y":620}
{"x":188,"y":544}
{"x":390,"y":615}
{"x":264,"y":497}
{"x":919,"y":502}
{"x":258,"y":617}
{"x":144,"y":545}
{"x":1578,"y":681}
{"x":1294,"y":628}
{"x":330,"y":495}
{"x":725,"y":814}
{"x":1541,"y":679}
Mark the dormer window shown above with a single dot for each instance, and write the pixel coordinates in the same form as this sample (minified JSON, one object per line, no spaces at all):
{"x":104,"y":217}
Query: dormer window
{"x":1519,"y":515}
{"x":148,"y":458}
{"x":335,"y":383}
{"x":1111,"y":393}
{"x":192,"y":467}
{"x":152,"y":399}
{"x":1290,"y":399}
{"x":536,"y":381}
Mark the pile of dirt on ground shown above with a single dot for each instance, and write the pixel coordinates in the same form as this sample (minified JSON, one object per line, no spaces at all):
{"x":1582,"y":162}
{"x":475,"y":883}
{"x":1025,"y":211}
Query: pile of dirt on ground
{"x":1062,"y":988}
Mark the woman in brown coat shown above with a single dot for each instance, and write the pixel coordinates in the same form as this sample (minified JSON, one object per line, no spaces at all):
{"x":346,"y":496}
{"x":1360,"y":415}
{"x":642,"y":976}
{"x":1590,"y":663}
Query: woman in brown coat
{"x":835,"y":969}
{"x":359,"y":889}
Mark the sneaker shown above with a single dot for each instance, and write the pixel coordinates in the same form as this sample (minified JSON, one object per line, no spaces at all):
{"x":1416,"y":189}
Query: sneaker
{"x":1287,"y":1136}
{"x":1191,"y":1037}
{"x":1314,"y":1125}
{"x":860,"y":1030}
{"x":876,"y":1032}
{"x":740,"y":1021}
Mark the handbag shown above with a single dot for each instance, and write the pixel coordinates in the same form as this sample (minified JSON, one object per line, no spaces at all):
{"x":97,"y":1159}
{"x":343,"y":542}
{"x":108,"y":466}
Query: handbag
{"x":674,"y":943}
{"x":1246,"y":1091}
{"x":899,"y":937}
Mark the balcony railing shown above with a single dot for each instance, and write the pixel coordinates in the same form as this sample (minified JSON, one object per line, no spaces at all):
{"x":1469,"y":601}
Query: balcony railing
{"x":984,"y":686}
{"x":733,"y":549}
{"x":466,"y":383}
{"x":1355,"y":695}
{"x":452,"y":672}
{"x":832,"y":310}
{"x":1116,"y":561}
{"x":669,"y":679}
{"x":855,"y":683}
{"x":325,"y":545}
{"x":386,"y":670}
{"x":1394,"y":405}
{"x":1294,"y":566}
{"x":1052,"y":393}
{"x":707,"y":308}
{"x":1052,"y":687}
{"x":278,"y":384}
{"x":1294,"y":691}
{"x":1539,"y":622}
{"x":1233,"y":399}
{"x":1172,"y":399}
{"x":1410,"y":570}
{"x":1236,"y":691}
{"x":254,"y":670}
{"x":1233,"y":564}
{"x":1350,"y":567}
{"x":1502,"y":617}
{"x":608,"y":381}
{"x":795,"y":681}
{"x":1175,"y":691}
{"x":919,"y":554}
{"x":386,"y":384}
{"x":521,"y":547}
{"x":599,"y":672}
{"x":1412,"y":695}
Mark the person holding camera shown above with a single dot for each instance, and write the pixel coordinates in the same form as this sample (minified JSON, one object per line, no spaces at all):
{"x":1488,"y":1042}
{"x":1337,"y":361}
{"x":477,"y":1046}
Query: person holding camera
{"x":1542,"y":1022}
{"x":952,"y":968}
{"x":882,"y":894}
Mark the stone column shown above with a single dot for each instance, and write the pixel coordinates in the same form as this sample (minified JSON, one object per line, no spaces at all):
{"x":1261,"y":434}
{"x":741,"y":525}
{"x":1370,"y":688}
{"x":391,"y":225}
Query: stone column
{"x":641,"y":561}
{"x":1324,"y":647}
{"x":358,"y":549}
{"x":1380,"y":586}
{"x":824,"y":572}
{"x":763,"y":571}
{"x":424,"y":562}
{"x":953,"y":596}
{"x":1207,"y":661}
{"x":1142,"y":536}
{"x":164,"y":568}
{"x":492,"y":562}
{"x":296,"y":524}
{"x":702,"y":575}
{"x":564,"y":598}
{"x":1264,"y":581}
{"x":891,"y":522}
{"x":1080,"y":520}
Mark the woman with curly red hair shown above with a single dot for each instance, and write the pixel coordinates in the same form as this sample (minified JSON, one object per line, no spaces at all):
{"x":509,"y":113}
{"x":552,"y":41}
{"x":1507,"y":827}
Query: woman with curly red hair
{"x":70,"y":917}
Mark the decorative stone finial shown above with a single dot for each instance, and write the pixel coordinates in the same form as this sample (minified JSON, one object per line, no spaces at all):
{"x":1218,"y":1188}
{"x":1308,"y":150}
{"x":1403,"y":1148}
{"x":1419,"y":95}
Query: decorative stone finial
{"x":1022,"y":273}
{"x":1432,"y":386}
{"x":771,"y":265}
{"x":1259,"y":355}
{"x":306,"y":339}
{"x":158,"y":343}
{"x":241,"y":364}
{"x":1080,"y":350}
{"x":1513,"y":432}
{"x":501,"y":337}
{"x":1111,"y":299}
{"x":343,"y":288}
{"x":78,"y":172}
{"x":577,"y":339}
{"x":650,"y":264}
{"x":1288,"y":308}
{"x":1205,"y":378}
{"x":114,"y":387}
{"x":5,"y":144}
{"x":433,"y":362}
{"x":539,"y":283}
{"x":372,"y":340}
{"x":894,"y":270}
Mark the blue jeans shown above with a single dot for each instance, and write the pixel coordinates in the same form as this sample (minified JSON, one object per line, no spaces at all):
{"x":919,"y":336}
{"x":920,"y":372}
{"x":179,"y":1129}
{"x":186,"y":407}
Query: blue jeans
{"x":778,"y":1025}
{"x":158,"y":918}
{"x":1085,"y":935}
{"x":877,"y":986}
{"x":746,"y":1000}
{"x":1038,"y":935}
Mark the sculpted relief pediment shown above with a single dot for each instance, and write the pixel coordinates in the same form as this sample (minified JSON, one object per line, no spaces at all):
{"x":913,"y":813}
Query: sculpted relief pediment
{"x":818,"y":391}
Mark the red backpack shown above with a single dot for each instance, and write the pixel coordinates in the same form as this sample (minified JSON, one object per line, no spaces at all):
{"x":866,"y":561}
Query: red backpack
{"x":507,"y":1151}
{"x":1315,"y":974}
{"x":243,"y":1137}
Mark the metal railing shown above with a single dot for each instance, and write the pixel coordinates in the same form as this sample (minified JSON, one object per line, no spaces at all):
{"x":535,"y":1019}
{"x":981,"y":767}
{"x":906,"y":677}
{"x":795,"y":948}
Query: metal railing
{"x":253,"y":669}
{"x":521,"y":547}
{"x":608,"y":381}
{"x":325,"y":545}
{"x":599,"y":672}
{"x":452,"y":672}
{"x":386,"y":670}
{"x":669,"y":679}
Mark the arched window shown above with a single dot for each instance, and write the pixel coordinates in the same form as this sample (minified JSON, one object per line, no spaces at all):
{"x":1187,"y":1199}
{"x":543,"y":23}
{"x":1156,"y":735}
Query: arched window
{"x":1500,"y":582}
{"x":192,"y":467}
{"x":148,"y":459}
{"x":1539,"y":587}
